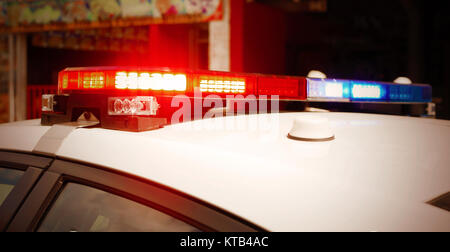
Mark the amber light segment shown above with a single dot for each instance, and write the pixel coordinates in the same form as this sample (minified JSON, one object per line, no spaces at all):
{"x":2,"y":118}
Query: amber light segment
{"x":222,"y":85}
{"x":73,"y":80}
{"x":65,"y":81}
{"x":93,"y":80}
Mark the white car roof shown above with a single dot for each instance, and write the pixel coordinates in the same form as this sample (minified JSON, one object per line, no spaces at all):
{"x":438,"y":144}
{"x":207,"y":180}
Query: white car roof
{"x":377,"y":175}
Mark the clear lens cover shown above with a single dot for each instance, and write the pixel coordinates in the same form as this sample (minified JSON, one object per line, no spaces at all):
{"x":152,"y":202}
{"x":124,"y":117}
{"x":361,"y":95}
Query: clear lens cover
{"x":47,"y":102}
{"x":327,"y":89}
{"x":139,"y":105}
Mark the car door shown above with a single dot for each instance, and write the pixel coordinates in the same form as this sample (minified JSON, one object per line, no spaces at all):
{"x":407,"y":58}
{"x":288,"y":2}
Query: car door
{"x":73,"y":197}
{"x":19,"y":172}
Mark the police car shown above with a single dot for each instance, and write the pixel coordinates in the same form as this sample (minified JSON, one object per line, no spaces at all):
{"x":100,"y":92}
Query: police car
{"x":117,"y":150}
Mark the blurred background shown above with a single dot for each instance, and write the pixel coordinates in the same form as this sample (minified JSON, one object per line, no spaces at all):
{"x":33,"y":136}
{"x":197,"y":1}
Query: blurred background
{"x":351,"y":39}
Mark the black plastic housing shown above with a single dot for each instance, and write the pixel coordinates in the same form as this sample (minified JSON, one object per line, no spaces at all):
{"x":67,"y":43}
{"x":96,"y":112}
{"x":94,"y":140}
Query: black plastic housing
{"x":71,"y":107}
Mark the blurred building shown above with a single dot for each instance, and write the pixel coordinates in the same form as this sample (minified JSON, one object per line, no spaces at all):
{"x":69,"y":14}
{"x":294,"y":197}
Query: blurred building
{"x":369,"y":40}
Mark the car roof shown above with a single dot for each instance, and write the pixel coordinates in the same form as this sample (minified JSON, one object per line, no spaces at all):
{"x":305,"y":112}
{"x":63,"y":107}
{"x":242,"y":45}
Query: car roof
{"x":377,"y":175}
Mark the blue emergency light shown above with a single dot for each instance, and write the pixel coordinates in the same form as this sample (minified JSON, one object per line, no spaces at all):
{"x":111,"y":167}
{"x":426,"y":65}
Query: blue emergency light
{"x":366,"y":91}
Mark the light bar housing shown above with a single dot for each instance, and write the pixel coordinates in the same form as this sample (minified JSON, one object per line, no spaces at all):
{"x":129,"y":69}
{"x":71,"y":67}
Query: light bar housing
{"x":172,"y":82}
{"x":137,"y":99}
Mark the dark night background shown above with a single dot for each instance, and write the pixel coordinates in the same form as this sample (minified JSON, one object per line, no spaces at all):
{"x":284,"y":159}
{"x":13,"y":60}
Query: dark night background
{"x":353,"y":39}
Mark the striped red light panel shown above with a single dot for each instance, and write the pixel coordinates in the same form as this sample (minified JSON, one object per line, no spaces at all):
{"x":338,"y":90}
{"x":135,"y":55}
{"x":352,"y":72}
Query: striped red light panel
{"x":101,"y":80}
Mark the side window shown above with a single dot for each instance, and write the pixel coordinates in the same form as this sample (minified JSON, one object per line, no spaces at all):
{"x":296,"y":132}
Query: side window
{"x":8,"y":179}
{"x":81,"y":208}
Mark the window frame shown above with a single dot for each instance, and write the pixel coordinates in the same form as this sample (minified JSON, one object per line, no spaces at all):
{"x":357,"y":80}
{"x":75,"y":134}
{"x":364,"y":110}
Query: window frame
{"x":166,"y":200}
{"x":32,"y":166}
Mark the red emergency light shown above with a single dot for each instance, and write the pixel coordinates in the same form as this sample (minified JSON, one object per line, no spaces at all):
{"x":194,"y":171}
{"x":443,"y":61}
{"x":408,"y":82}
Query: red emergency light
{"x":138,"y":99}
{"x":172,"y":82}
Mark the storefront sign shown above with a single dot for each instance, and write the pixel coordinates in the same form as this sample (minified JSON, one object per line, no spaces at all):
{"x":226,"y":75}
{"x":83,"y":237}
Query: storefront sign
{"x":42,"y":15}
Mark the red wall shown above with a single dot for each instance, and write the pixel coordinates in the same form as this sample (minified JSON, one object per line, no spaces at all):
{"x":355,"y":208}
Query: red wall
{"x":169,"y":45}
{"x":237,"y":35}
{"x":258,"y":38}
{"x":264,"y":39}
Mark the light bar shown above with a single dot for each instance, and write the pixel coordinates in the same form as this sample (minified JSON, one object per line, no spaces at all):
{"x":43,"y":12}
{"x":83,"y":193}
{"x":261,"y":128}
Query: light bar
{"x":155,"y":82}
{"x":139,"y":99}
